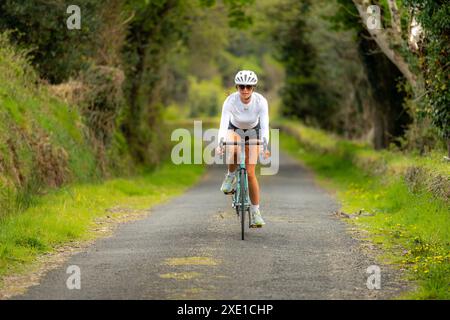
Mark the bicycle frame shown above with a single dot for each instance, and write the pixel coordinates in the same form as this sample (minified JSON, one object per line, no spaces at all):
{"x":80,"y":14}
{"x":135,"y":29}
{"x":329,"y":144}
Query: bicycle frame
{"x":237,"y":193}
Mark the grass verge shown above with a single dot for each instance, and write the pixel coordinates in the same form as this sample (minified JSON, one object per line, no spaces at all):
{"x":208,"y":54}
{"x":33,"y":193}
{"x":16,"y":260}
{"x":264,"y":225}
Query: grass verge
{"x":69,"y":214}
{"x":411,"y":226}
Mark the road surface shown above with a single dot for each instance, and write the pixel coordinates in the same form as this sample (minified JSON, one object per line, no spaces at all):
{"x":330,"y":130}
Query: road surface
{"x":190,"y":248}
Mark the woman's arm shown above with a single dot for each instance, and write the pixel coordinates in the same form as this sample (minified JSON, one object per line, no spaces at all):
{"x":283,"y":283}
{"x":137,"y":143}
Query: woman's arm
{"x":264,"y":120}
{"x":225,"y":119}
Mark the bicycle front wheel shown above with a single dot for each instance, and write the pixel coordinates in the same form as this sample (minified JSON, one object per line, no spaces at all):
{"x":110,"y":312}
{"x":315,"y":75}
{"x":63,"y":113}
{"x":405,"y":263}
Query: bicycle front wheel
{"x":242,"y":202}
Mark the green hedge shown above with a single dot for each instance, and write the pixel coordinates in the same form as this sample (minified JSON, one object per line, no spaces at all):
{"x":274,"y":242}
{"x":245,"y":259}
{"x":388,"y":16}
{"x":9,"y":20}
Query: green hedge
{"x":429,"y":173}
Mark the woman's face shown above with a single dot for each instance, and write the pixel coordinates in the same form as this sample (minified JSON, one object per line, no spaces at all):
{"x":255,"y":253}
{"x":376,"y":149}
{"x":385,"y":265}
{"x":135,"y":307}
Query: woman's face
{"x":245,"y":91}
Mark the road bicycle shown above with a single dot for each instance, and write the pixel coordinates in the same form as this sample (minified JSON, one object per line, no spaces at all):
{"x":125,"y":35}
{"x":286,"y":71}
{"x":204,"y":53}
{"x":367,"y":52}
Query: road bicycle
{"x":241,"y":198}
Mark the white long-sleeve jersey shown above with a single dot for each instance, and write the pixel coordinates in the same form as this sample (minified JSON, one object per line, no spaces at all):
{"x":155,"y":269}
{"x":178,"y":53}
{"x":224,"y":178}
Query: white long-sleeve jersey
{"x":245,"y":116}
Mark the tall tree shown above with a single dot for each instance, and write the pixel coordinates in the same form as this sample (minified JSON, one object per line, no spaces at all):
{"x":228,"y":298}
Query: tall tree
{"x":301,"y":94}
{"x":388,"y":38}
{"x":433,"y":50}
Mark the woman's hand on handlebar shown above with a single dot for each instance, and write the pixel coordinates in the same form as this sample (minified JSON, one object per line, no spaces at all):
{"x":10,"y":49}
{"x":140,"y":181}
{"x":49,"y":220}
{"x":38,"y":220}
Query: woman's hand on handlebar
{"x":265,"y":152}
{"x":220,"y":150}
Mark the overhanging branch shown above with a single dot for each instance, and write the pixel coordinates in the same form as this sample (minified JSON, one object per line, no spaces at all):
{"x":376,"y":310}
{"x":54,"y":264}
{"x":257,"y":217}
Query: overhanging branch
{"x":395,"y":17}
{"x":382,"y":39}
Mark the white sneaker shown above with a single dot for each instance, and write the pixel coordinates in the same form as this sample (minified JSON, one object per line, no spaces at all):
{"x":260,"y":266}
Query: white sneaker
{"x":256,"y":219}
{"x":229,"y":183}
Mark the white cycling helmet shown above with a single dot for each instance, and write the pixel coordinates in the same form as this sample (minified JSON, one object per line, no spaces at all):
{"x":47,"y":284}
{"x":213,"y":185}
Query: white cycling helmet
{"x":246,"y":77}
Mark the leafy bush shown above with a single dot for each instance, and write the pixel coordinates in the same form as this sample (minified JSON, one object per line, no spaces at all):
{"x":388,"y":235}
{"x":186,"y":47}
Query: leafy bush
{"x":41,"y":139}
{"x":57,"y":52}
{"x":102,"y":100}
{"x":434,"y":16}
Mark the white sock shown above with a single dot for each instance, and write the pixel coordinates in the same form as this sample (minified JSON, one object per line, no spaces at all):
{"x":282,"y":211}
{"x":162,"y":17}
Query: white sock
{"x":253,"y":207}
{"x":231,"y":173}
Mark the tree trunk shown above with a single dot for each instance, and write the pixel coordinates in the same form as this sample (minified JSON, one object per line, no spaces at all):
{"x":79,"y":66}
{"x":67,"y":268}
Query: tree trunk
{"x":147,"y":42}
{"x":384,"y":39}
{"x":388,"y":117}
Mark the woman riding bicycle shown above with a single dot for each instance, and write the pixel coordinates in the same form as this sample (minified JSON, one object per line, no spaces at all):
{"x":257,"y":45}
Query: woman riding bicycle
{"x":244,"y":110}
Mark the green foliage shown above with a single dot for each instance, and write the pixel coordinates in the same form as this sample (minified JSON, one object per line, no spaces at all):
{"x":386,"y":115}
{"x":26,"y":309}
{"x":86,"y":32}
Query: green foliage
{"x":152,"y":32}
{"x":427,"y":174}
{"x":229,"y":64}
{"x":200,"y":71}
{"x":157,"y":28}
{"x":205,"y":97}
{"x":346,"y":16}
{"x":146,"y":31}
{"x":57,"y":52}
{"x":380,"y":89}
{"x":434,"y":16}
{"x":41,"y":138}
{"x":302,"y":95}
{"x":236,"y":12}
{"x":102,"y":100}
{"x":434,"y":55}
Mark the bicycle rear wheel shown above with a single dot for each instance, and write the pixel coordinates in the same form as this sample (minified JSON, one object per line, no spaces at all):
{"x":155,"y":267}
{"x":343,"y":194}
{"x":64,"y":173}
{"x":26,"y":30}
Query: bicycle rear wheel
{"x":242,"y":202}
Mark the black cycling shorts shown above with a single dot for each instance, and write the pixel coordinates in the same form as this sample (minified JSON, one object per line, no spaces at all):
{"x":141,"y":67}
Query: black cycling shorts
{"x":254,"y":132}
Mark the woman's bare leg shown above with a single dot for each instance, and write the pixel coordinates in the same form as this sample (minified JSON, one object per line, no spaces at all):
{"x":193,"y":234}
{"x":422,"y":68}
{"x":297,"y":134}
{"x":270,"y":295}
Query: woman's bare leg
{"x":251,"y":159}
{"x":253,"y":185}
{"x":250,"y":163}
{"x":232,"y":151}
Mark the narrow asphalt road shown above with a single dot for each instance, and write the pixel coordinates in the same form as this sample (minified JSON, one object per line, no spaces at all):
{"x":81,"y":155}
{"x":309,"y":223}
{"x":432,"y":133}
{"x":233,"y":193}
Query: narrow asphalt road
{"x":190,"y":248}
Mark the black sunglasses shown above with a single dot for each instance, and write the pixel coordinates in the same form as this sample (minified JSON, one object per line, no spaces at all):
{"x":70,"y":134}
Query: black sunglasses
{"x":242,"y":87}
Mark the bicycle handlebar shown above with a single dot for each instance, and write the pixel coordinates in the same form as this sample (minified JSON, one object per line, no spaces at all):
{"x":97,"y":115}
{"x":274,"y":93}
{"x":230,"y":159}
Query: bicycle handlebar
{"x":252,"y":142}
{"x":247,"y":143}
{"x":222,"y":143}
